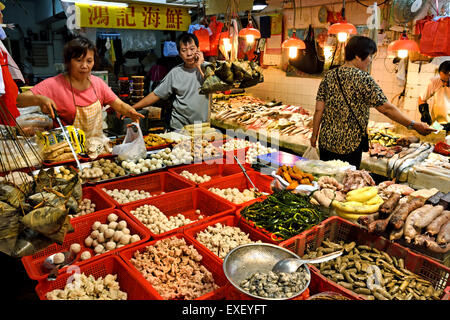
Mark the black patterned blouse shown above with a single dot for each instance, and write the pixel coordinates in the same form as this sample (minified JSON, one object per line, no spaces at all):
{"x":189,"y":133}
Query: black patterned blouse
{"x":339,"y":131}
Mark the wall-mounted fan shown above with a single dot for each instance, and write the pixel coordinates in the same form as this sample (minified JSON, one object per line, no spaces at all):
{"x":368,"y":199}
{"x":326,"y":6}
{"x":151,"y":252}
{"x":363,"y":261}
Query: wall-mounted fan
{"x":404,"y":11}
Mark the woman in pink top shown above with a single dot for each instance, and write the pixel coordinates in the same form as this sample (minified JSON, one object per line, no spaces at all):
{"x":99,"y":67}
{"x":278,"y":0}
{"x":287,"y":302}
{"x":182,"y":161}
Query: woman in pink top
{"x":77,"y":95}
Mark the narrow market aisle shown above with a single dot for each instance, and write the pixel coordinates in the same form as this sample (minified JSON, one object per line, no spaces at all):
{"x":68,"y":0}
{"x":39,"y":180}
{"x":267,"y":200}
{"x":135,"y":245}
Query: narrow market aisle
{"x":15,"y":282}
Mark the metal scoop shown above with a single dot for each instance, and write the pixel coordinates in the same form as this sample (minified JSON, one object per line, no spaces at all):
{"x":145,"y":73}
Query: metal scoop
{"x":290,"y":265}
{"x":48,"y":264}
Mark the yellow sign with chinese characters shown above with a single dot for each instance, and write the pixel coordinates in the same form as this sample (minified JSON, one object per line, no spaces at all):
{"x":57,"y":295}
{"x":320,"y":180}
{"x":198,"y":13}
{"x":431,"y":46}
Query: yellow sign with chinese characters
{"x":151,"y":16}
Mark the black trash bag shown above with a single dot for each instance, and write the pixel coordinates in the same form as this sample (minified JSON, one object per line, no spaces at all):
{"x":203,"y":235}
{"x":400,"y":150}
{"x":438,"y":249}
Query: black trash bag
{"x":308,"y":59}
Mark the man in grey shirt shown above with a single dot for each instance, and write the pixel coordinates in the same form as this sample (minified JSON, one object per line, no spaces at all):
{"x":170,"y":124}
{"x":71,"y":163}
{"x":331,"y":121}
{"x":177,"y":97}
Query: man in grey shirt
{"x":184,"y":81}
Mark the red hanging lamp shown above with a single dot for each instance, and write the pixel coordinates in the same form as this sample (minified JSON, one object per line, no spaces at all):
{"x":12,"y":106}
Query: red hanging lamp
{"x":403,"y":46}
{"x":249,"y":33}
{"x":293,"y":43}
{"x":342,"y":29}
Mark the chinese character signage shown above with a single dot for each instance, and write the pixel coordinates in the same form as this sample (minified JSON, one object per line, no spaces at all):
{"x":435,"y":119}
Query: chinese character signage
{"x":156,"y":17}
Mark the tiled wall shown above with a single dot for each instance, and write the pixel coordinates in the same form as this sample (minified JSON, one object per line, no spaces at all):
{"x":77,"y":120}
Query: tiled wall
{"x":302,"y":91}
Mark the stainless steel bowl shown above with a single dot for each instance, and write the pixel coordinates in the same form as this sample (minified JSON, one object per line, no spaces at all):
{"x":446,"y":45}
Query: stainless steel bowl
{"x":243,"y":261}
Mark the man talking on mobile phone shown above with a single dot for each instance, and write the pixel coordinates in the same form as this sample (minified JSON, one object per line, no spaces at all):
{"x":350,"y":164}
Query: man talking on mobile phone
{"x":183,"y":83}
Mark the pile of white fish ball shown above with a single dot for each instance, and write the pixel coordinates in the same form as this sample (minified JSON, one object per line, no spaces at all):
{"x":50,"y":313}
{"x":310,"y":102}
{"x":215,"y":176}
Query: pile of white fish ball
{"x":109,"y":236}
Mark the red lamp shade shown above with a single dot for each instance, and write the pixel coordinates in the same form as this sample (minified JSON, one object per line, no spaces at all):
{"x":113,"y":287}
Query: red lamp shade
{"x":249,"y":31}
{"x":293,"y":42}
{"x":403,"y":44}
{"x":342,"y":27}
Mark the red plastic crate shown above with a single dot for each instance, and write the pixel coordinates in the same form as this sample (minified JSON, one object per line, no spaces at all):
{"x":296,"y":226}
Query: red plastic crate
{"x":72,"y":162}
{"x":215,"y":171}
{"x":262,"y":182}
{"x":101,"y":202}
{"x":109,"y":265}
{"x":83,"y":227}
{"x":229,"y":220}
{"x":155,"y":183}
{"x":207,"y":261}
{"x":185,"y":202}
{"x":277,"y":240}
{"x":337,"y":229}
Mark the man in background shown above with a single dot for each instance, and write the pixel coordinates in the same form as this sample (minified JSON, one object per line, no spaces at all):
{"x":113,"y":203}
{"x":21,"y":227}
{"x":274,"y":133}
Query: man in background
{"x":439,"y":89}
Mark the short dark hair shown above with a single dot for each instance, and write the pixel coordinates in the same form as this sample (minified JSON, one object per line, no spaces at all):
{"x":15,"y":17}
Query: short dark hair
{"x":359,"y":46}
{"x":444,"y":66}
{"x":186,"y":38}
{"x":76,"y":48}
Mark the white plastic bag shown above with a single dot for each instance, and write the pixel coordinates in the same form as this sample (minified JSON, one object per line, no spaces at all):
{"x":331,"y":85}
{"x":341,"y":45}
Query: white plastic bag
{"x":311,"y":154}
{"x":133,"y":146}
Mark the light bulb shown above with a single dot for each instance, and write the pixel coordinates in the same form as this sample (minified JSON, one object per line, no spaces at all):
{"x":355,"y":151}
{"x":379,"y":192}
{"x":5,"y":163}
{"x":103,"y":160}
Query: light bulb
{"x":327,"y":52}
{"x":250,"y":38}
{"x":342,"y":36}
{"x":293,"y":52}
{"x":402,"y":54}
{"x":227,"y":44}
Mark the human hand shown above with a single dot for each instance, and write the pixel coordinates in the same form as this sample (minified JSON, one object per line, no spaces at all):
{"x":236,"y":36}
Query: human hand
{"x":131,"y":113}
{"x":47,"y":106}
{"x":423,"y":128}
{"x":313,"y":141}
{"x":199,"y":59}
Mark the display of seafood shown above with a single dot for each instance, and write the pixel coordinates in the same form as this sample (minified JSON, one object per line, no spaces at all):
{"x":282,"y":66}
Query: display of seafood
{"x":257,"y":115}
{"x":404,"y":160}
{"x":435,"y":164}
{"x":276,"y":285}
{"x":371,"y":273}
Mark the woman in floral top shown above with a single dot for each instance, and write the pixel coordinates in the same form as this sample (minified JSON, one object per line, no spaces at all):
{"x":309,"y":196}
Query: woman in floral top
{"x":341,"y":131}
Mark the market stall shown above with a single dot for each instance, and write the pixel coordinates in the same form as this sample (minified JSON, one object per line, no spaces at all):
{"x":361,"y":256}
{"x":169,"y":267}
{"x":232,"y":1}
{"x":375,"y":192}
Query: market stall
{"x":205,"y":214}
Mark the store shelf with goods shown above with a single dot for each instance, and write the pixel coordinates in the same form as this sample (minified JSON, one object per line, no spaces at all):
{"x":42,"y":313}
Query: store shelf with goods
{"x":207,"y":261}
{"x":240,"y":182}
{"x":82,"y":229}
{"x":111,"y":265}
{"x":214,"y":172}
{"x":403,"y":266}
{"x":156,"y":184}
{"x":231,"y":221}
{"x":190,"y":203}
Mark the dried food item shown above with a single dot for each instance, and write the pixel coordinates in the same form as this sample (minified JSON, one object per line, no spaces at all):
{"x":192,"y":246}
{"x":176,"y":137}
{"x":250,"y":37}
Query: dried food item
{"x":276,"y":285}
{"x":173,"y":268}
{"x":157,"y":221}
{"x":195,"y":177}
{"x":126,"y":195}
{"x":107,"y":237}
{"x":235,"y":195}
{"x":371,"y":273}
{"x":221,"y":239}
{"x":85,"y":207}
{"x":88,"y":288}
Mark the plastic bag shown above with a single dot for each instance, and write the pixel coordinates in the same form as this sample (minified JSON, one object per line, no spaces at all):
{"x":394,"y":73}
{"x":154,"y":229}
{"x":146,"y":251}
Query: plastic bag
{"x":133,"y":146}
{"x":311,"y":153}
{"x":170,"y":49}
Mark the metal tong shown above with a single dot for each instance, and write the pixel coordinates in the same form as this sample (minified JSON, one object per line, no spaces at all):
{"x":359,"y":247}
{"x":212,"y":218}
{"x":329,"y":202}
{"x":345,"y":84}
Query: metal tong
{"x":248,"y":178}
{"x":66,"y":136}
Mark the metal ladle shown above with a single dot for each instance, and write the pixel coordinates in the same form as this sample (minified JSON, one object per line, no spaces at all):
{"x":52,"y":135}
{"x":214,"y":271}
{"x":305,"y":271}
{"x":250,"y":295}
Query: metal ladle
{"x":69,"y":258}
{"x":290,"y":265}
